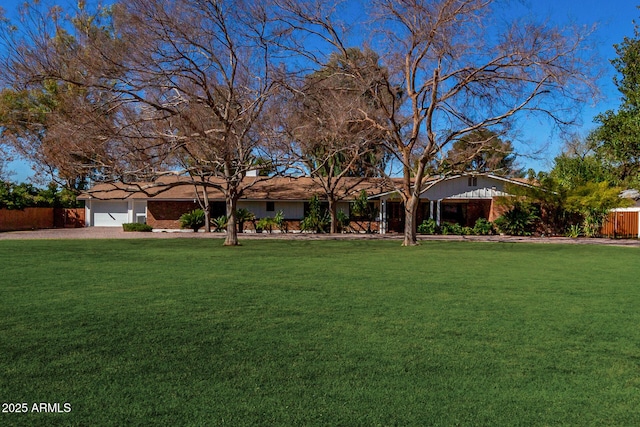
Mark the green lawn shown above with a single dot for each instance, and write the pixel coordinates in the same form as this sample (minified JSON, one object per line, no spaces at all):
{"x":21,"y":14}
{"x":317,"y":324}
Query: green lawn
{"x":362,"y":333}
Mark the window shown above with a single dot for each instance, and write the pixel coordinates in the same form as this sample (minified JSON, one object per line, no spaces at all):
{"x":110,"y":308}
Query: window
{"x":473,"y":181}
{"x":324,"y":207}
{"x":271,"y":206}
{"x":454,"y":213}
{"x":218,"y":209}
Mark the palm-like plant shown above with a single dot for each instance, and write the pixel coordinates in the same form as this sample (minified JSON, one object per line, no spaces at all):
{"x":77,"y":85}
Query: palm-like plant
{"x":220,"y":223}
{"x":244,"y":215}
{"x":193,"y":220}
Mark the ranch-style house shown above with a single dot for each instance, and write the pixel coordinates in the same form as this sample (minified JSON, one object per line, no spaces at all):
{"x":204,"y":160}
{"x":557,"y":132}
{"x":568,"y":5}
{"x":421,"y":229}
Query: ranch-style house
{"x":458,"y":199}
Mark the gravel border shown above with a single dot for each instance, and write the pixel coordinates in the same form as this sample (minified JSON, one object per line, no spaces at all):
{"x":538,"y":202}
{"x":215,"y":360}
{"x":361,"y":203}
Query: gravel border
{"x":118,"y":233}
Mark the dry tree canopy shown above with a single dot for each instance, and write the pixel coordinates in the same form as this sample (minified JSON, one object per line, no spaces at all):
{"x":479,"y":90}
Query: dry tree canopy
{"x":453,"y":67}
{"x":194,"y":85}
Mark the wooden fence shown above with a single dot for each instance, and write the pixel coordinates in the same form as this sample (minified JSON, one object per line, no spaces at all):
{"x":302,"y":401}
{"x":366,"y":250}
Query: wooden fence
{"x":622,"y":224}
{"x":68,"y":218}
{"x":33,"y":218}
{"x":26,"y":219}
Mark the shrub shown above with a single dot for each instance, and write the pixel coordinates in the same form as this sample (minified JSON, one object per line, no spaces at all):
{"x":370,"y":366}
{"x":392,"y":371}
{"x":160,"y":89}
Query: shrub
{"x":483,"y":227}
{"x":520,"y":220}
{"x":429,"y":226}
{"x":135,"y":226}
{"x":362,"y":208}
{"x":193,"y":220}
{"x":220,"y":223}
{"x":317,"y":220}
{"x":593,"y":221}
{"x":243,"y":215}
{"x":456,"y":229}
{"x":342,"y":220}
{"x":280,"y":222}
{"x":24,"y":195}
{"x":593,"y":201}
{"x":266,"y":224}
{"x":574,"y":231}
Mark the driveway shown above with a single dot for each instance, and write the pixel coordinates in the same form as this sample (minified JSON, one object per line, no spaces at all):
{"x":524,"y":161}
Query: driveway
{"x":117,"y":233}
{"x":98,"y":233}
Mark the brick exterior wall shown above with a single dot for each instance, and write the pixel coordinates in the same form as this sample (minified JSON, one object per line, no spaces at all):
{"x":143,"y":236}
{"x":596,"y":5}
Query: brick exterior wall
{"x":497,"y":209}
{"x":293,"y":226}
{"x":166,"y":214}
{"x":477,"y":209}
{"x":364,"y":226}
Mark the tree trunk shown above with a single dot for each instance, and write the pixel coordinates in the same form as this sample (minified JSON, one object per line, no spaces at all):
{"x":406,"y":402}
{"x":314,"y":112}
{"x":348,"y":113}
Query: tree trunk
{"x":207,"y":219}
{"x":410,"y":226}
{"x":232,"y":229}
{"x":207,"y":212}
{"x":333,"y":213}
{"x":205,"y":206}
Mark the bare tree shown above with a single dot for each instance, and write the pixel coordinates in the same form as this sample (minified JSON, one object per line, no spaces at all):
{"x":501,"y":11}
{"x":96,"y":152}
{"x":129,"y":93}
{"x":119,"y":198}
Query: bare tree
{"x":185,"y":83}
{"x":203,"y":71}
{"x":52,"y":130}
{"x":328,"y":131}
{"x":67,"y":128}
{"x":454,"y":67}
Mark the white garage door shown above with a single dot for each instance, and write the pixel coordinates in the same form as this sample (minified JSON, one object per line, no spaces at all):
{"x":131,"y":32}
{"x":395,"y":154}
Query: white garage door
{"x":109,"y":214}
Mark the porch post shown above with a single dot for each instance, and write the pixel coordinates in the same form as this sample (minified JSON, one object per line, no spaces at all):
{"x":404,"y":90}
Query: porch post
{"x":431,"y":209}
{"x":382,"y":227}
{"x":87,"y":213}
{"x":131,"y":207}
{"x":438,"y":211}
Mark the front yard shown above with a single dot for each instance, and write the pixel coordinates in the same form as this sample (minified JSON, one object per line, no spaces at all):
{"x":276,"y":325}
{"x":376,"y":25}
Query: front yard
{"x":276,"y":332}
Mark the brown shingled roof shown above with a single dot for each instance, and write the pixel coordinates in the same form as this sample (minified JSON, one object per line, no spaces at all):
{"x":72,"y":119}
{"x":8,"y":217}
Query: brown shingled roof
{"x":261,"y":188}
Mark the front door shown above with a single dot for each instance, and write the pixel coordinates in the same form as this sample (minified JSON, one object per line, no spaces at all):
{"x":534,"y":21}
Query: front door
{"x":395,"y":217}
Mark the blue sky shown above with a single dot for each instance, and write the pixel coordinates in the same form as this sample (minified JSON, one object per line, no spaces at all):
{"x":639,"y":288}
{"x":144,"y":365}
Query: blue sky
{"x":615,"y":21}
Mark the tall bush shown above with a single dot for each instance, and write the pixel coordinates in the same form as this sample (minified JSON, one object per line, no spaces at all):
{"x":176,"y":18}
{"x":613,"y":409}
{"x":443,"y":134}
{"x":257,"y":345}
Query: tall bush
{"x":483,"y":227}
{"x":24,"y":195}
{"x":317,"y":220}
{"x":593,"y":201}
{"x":520,"y":220}
{"x":342,"y":221}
